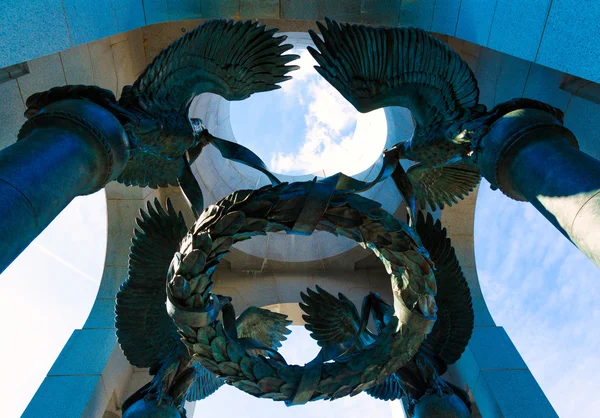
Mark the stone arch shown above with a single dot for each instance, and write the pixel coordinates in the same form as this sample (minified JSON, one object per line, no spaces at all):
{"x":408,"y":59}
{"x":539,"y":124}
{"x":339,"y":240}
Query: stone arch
{"x":124,"y":203}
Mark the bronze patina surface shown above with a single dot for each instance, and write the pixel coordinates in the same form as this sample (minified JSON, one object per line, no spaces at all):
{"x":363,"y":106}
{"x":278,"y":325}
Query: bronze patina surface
{"x":231,"y":59}
{"x":408,"y":67}
{"x":404,"y":356}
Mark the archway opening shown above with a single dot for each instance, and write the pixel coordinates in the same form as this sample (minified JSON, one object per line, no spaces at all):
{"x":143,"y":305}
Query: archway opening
{"x":307,"y":127}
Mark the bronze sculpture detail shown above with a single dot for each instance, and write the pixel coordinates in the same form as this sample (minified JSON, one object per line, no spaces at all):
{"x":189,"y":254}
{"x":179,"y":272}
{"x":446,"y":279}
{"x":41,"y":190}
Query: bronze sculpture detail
{"x":163,"y":140}
{"x":408,"y":67}
{"x":196,"y":344}
{"x":147,"y":334}
{"x":352,"y":360}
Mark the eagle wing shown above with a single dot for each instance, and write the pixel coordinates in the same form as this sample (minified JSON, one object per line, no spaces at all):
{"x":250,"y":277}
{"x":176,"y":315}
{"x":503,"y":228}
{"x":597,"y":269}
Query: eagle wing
{"x":145,"y":331}
{"x":390,"y":390}
{"x":407,"y":67}
{"x":443,"y":185}
{"x":204,"y":384}
{"x":231,"y":59}
{"x":268,"y":328}
{"x":148,"y":170}
{"x":454,"y":326}
{"x":332,"y":321}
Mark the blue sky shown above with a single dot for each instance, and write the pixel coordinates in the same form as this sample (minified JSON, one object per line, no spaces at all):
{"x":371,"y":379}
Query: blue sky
{"x":45,"y":294}
{"x":545,"y":293}
{"x":537,"y":285}
{"x":308,"y":126}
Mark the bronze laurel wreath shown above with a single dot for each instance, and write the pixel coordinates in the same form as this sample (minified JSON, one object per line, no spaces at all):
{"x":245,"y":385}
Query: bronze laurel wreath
{"x":247,"y":213}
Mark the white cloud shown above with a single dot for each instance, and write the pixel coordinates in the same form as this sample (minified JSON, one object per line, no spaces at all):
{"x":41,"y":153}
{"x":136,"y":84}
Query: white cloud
{"x":337,"y":138}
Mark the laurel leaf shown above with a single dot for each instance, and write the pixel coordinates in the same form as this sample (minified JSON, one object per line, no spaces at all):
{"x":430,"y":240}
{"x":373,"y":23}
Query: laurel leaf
{"x":258,"y":209}
{"x":202,"y":350}
{"x":341,"y":392}
{"x":211,"y":332}
{"x":288,"y":389}
{"x":219,"y":349}
{"x":202,"y":336}
{"x":228,"y":225}
{"x":228,"y":368}
{"x":235,"y":352}
{"x":204,"y":281}
{"x":291,"y":374}
{"x":221,"y":245}
{"x":287,"y":210}
{"x":248,"y":387}
{"x":237,"y":198}
{"x":202,"y":242}
{"x":254,"y":225}
{"x":262,"y":370}
{"x":209,"y":364}
{"x":186,"y":332}
{"x":370,"y":373}
{"x":276,"y":396}
{"x":270,"y":384}
{"x":246,"y":365}
{"x":344,"y":217}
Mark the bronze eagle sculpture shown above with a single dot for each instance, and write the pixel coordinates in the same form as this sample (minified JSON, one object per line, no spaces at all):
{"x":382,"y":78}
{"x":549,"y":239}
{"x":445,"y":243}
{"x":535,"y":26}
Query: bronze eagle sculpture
{"x":339,"y":329}
{"x":231,"y":59}
{"x":407,"y":67}
{"x":243,"y":352}
{"x":146,"y":332}
{"x":169,"y":320}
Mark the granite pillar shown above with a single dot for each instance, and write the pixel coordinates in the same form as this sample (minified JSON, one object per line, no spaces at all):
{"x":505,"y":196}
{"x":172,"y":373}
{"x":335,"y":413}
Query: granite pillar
{"x":530,"y":156}
{"x":70,"y":148}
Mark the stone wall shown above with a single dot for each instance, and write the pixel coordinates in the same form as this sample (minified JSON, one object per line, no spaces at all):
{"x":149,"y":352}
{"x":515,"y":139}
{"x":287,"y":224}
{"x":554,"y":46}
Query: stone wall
{"x":560,"y":34}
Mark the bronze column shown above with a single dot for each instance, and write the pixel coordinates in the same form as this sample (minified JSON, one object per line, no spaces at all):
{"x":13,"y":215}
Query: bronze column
{"x":530,"y":156}
{"x":70,"y":148}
